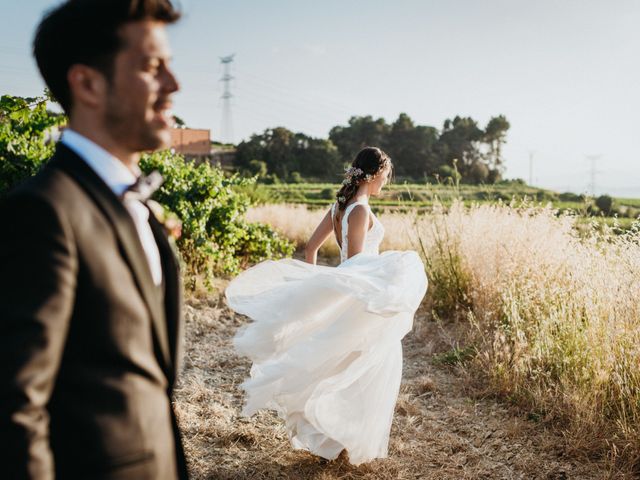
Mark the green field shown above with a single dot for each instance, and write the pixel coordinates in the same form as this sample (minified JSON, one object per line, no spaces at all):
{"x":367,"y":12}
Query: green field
{"x":424,"y":196}
{"x":420,"y":198}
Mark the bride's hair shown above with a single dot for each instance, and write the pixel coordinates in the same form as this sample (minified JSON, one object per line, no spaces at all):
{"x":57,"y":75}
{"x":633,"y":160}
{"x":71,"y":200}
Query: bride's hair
{"x":369,"y":162}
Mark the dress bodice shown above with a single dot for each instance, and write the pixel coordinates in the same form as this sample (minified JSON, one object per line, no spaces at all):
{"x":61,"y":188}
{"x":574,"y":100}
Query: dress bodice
{"x":374,"y":236}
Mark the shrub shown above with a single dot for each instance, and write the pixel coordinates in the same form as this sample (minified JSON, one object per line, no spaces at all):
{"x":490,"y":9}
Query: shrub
{"x":271,"y":179}
{"x":571,"y":197}
{"x":24,"y":126}
{"x":258,"y":167}
{"x":215,"y":237}
{"x":295,"y":177}
{"x":605,"y":204}
{"x":445,"y":171}
{"x":478,"y":173}
{"x":327,"y":194}
{"x":512,"y":181}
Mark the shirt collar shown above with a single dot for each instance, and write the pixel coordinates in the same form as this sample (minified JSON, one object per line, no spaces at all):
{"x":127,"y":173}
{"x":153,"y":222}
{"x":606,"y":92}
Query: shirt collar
{"x":111,"y":170}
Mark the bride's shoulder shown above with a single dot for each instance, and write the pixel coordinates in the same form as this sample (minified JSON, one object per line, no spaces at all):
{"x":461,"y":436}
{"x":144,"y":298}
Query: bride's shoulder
{"x":359,"y":213}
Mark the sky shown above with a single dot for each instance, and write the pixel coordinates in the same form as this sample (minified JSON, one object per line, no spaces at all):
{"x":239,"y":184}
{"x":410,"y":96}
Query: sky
{"x":565,"y":73}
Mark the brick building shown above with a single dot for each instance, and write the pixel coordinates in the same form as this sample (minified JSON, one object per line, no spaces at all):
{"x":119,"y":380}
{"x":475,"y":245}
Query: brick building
{"x":191,"y":141}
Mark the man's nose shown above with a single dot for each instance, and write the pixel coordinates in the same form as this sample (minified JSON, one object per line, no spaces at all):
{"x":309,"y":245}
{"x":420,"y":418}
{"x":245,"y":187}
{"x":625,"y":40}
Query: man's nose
{"x":170,"y":82}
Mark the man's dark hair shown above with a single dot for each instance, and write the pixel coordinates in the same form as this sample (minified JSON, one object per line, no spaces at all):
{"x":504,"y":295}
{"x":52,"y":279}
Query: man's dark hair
{"x":87,"y":32}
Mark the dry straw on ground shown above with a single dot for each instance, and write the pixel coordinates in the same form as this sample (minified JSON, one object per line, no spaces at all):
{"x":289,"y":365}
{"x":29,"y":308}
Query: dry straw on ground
{"x":552,"y":317}
{"x":439,"y":430}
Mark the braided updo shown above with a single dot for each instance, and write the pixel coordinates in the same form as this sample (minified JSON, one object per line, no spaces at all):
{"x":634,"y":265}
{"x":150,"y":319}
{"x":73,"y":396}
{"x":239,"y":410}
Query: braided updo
{"x":369,"y":162}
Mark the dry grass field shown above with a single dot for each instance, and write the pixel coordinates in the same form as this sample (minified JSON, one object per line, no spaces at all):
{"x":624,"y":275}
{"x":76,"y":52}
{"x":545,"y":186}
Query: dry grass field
{"x":548,"y":308}
{"x":442,"y":429}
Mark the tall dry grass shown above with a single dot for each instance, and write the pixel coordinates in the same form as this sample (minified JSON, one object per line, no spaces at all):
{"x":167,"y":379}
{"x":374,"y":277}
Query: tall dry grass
{"x":554,"y":315}
{"x":297,"y":222}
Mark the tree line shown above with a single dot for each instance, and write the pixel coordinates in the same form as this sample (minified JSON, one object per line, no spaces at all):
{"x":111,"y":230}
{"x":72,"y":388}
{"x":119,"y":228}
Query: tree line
{"x":461,"y":148}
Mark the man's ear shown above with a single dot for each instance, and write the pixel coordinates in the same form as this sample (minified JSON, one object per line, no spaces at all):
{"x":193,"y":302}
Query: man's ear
{"x":87,"y":85}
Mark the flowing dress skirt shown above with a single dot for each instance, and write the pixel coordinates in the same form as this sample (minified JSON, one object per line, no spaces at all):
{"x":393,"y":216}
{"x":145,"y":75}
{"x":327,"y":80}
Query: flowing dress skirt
{"x":325,"y":346}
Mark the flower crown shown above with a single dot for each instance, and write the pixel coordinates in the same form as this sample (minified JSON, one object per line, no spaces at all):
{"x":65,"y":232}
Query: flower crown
{"x":355,"y":173}
{"x":352,"y":173}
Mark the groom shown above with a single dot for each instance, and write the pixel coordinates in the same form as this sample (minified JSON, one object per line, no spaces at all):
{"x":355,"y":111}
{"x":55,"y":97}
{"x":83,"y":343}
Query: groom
{"x":89,"y":287}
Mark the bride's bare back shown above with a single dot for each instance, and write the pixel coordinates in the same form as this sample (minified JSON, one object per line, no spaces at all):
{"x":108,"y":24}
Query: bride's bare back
{"x":353,"y":229}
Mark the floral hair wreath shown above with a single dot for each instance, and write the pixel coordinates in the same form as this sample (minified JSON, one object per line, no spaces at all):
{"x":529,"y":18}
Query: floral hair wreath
{"x":352,"y":173}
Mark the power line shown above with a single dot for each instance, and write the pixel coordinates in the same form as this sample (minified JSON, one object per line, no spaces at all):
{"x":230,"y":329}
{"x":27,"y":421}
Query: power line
{"x":278,"y":105}
{"x":307,"y":97}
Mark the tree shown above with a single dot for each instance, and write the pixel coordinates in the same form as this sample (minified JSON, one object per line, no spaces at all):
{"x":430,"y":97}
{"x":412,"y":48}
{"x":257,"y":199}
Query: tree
{"x":361,"y":132}
{"x":495,"y":134}
{"x":179,"y":122}
{"x":417,"y":150}
{"x":460,"y":139}
{"x":319,"y":158}
{"x":411,"y":147}
{"x":285,"y":152}
{"x":274,"y":146}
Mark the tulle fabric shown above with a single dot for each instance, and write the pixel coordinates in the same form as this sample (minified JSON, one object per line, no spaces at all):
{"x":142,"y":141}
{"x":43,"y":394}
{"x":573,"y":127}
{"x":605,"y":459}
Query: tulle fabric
{"x":325,"y":346}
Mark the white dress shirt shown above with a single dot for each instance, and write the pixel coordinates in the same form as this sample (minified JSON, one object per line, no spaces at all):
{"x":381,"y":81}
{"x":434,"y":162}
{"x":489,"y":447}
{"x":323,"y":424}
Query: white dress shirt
{"x":118,"y":177}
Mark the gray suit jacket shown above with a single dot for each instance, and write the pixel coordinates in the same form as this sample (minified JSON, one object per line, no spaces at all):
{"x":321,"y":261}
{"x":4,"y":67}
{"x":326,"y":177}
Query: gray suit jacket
{"x":88,"y":344}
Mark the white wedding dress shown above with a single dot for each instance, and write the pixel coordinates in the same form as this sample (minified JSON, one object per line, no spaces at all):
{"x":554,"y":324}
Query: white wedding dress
{"x":325,"y":343}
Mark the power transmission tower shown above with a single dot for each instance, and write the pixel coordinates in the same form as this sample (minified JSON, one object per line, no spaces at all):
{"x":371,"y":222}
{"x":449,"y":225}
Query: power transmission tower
{"x":226,"y":130}
{"x":593,"y":172}
{"x":531,"y":154}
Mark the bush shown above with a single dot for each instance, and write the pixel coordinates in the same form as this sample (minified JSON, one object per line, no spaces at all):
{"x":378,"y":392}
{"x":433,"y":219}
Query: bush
{"x":295,"y":177}
{"x":633,"y":212}
{"x":494,"y":176}
{"x":24,"y":123}
{"x":478,"y":173}
{"x":512,"y":181}
{"x":445,"y":171}
{"x":260,"y":194}
{"x":271,"y":179}
{"x":571,"y":197}
{"x":215,"y":237}
{"x":327,"y":194}
{"x":258,"y":167}
{"x":605,"y":204}
{"x":545,"y":196}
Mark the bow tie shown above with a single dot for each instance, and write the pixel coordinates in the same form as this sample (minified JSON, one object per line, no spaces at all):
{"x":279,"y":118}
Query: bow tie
{"x":144,"y":187}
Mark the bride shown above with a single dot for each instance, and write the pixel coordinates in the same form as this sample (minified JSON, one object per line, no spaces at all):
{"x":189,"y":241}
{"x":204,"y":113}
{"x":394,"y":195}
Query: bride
{"x":325,"y":341}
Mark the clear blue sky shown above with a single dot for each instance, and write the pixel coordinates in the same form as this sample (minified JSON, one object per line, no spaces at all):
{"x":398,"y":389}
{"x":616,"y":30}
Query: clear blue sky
{"x":565,"y":73}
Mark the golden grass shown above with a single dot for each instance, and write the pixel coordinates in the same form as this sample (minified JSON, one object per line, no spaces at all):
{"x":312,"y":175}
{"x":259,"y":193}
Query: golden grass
{"x":297,"y":223}
{"x":554,"y":316}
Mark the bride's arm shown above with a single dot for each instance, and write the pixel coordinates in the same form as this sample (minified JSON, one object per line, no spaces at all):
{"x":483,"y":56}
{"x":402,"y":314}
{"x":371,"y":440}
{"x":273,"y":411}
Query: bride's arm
{"x":358,"y":226}
{"x":321,"y":233}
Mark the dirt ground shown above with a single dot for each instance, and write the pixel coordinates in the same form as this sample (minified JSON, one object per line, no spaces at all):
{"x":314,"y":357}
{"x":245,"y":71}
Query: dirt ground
{"x":440,"y":429}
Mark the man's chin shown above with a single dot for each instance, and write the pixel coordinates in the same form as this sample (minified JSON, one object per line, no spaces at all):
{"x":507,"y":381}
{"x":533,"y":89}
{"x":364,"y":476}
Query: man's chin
{"x":158,"y":140}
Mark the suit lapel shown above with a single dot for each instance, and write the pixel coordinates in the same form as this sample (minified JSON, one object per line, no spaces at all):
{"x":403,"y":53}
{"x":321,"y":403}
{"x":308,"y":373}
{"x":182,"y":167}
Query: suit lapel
{"x":172,"y":290}
{"x":127,"y":234}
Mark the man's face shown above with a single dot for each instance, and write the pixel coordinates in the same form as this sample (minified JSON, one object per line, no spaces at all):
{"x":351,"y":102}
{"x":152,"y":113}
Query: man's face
{"x":138,"y":105}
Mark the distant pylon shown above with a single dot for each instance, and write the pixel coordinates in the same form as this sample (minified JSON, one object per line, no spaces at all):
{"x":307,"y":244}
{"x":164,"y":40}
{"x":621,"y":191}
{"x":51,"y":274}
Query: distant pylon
{"x":226,"y":127}
{"x":593,"y":172}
